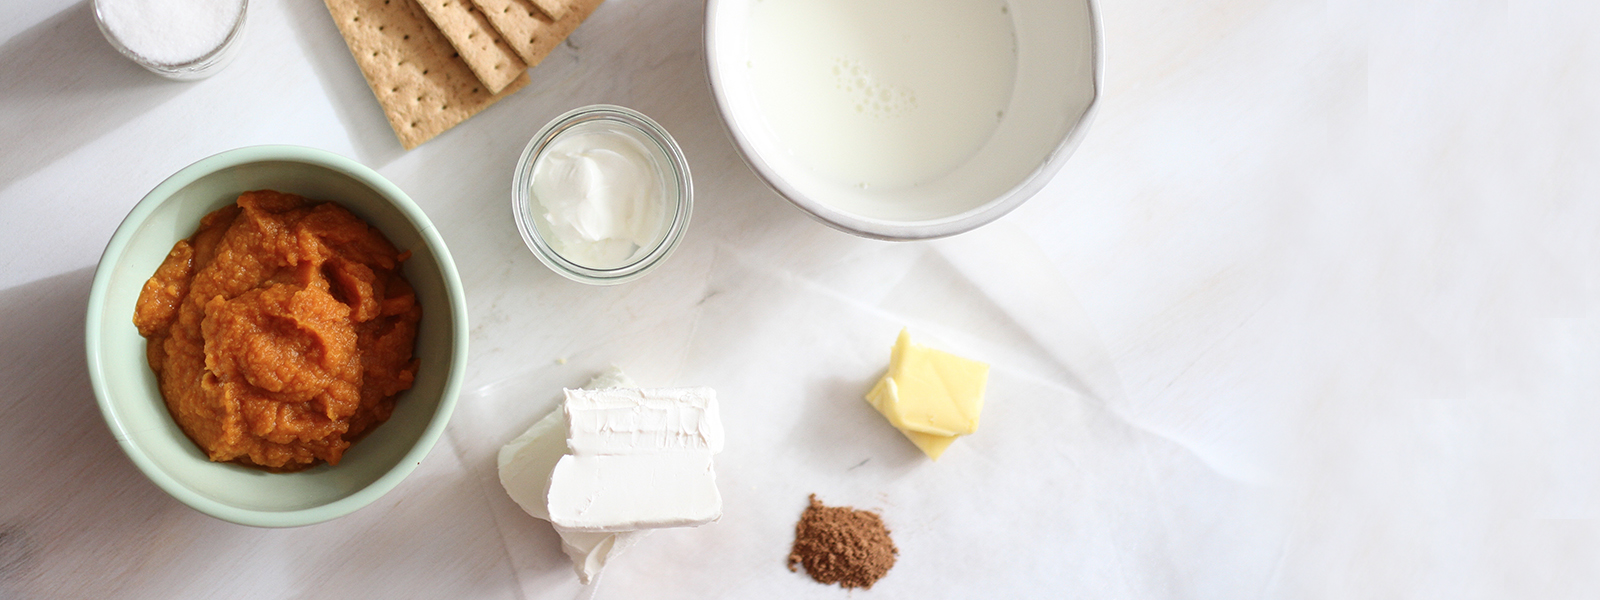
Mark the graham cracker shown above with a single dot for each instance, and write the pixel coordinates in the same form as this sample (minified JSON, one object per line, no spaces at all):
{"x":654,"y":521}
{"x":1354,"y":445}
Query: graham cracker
{"x":465,"y":26}
{"x":556,"y":9}
{"x":423,"y":87}
{"x":530,"y":31}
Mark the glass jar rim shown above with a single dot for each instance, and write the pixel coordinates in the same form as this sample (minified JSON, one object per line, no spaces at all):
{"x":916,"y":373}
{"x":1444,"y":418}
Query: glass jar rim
{"x":681,"y":206}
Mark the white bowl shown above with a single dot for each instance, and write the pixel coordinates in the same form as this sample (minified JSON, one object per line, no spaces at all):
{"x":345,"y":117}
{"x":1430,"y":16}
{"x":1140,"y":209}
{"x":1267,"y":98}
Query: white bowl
{"x":1057,"y":83}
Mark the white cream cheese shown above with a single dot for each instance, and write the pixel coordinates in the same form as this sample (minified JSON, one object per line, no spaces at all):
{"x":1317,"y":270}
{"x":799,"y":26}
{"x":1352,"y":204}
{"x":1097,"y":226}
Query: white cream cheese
{"x":633,"y":420}
{"x":603,"y":191}
{"x":526,"y":463}
{"x":645,"y":462}
{"x":640,"y":459}
{"x":525,"y":467}
{"x":624,"y":492}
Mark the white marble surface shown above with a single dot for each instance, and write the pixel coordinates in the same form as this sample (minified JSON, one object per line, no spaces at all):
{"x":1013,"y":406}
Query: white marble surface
{"x":1311,"y":313}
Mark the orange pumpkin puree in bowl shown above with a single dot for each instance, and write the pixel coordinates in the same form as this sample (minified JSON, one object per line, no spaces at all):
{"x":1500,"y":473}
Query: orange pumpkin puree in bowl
{"x":280,"y":332}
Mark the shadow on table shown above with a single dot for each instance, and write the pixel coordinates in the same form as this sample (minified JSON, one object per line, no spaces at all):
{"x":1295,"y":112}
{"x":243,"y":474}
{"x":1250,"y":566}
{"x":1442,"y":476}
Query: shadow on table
{"x":843,"y":431}
{"x":647,"y":57}
{"x":63,"y":472}
{"x":358,"y":109}
{"x":78,"y":520}
{"x":62,"y":85}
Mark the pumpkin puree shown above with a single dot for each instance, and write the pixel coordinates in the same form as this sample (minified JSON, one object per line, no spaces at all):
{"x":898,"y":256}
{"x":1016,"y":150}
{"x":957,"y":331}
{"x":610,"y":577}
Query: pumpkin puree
{"x":281,"y":331}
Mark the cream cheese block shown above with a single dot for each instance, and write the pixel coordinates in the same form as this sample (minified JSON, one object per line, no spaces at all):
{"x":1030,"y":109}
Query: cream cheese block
{"x":624,"y":492}
{"x":640,"y":458}
{"x":526,"y":463}
{"x":525,"y":467}
{"x":614,"y":462}
{"x":629,"y":420}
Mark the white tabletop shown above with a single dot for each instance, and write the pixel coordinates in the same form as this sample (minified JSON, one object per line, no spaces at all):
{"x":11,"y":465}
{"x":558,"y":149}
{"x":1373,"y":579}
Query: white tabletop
{"x":1310,"y":313}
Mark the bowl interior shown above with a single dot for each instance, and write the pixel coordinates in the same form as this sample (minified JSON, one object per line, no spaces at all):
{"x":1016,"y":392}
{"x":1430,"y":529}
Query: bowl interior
{"x":132,"y":401}
{"x":1055,"y":87}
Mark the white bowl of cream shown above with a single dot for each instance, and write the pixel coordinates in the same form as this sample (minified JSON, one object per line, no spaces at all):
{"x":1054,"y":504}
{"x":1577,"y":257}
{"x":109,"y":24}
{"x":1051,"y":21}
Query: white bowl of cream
{"x":602,"y":194}
{"x":904,"y":119}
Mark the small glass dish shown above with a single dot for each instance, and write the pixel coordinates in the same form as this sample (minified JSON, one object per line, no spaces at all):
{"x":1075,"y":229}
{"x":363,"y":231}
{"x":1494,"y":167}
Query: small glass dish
{"x":677,"y":196}
{"x":206,"y":65}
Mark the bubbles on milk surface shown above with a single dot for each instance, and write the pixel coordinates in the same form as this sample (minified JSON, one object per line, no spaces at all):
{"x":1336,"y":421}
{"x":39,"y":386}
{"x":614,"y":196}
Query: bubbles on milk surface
{"x":870,"y":96}
{"x":881,"y":94}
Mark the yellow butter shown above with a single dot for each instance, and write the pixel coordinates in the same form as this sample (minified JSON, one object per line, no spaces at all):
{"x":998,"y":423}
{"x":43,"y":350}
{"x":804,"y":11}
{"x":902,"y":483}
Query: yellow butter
{"x":931,"y":445}
{"x":929,"y":395}
{"x":884,"y":398}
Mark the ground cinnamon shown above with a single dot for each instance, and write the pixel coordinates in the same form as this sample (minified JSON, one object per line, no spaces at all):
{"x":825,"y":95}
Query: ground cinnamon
{"x":842,"y":545}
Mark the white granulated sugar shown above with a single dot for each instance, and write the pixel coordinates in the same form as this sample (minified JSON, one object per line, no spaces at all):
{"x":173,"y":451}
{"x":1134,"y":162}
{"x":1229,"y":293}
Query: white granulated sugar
{"x":170,"y":32}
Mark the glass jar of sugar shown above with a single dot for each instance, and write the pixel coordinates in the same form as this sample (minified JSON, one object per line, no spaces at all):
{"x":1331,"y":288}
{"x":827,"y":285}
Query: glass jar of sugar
{"x":602,"y":194}
{"x":177,"y":39}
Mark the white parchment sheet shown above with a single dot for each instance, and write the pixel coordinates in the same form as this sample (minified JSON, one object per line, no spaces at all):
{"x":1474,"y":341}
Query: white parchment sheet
{"x":1054,"y":492}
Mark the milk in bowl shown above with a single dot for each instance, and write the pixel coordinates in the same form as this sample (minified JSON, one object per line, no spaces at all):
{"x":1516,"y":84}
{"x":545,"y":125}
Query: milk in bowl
{"x":904,"y":119}
{"x":870,"y":93}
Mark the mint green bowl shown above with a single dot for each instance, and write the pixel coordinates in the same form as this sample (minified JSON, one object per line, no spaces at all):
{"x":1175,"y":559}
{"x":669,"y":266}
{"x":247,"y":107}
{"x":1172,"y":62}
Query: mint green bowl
{"x":126,"y":388}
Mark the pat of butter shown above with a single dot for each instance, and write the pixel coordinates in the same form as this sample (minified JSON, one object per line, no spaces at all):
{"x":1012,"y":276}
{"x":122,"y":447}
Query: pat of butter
{"x":931,"y":396}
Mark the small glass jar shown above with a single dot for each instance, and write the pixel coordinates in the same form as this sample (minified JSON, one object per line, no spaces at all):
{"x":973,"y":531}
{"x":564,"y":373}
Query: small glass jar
{"x":666,"y":158}
{"x":206,"y":65}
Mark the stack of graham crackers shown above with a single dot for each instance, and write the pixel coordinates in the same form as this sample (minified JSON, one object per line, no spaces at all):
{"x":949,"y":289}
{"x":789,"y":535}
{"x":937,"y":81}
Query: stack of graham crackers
{"x":434,"y":63}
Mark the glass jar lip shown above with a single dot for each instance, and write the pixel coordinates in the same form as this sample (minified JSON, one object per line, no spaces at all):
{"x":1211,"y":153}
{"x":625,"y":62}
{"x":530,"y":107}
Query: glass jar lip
{"x":677,"y":167}
{"x":203,"y":66}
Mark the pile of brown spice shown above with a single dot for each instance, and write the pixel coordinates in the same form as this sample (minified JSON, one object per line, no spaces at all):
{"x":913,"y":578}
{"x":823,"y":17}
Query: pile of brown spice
{"x":842,"y":545}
